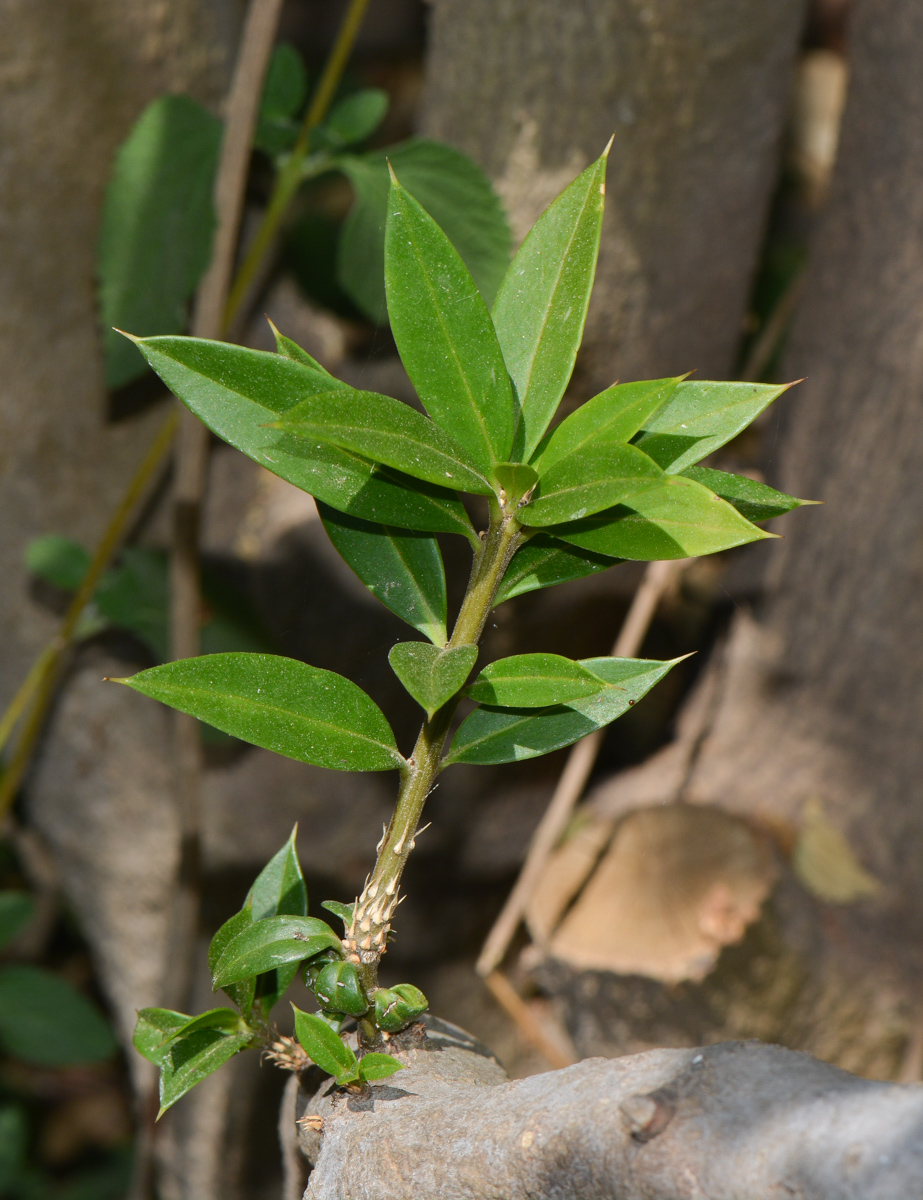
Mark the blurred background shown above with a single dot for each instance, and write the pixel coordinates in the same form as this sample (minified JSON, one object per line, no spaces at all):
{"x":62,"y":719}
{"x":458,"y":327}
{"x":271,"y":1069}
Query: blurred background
{"x":745,"y":860}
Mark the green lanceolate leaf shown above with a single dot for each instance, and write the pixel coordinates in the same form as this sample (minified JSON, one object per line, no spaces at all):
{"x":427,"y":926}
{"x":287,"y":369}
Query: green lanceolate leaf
{"x":534,"y":681}
{"x":154,"y":1029}
{"x":516,"y":480}
{"x":325,"y":1047}
{"x":543,"y":562}
{"x":270,"y":943}
{"x":155,"y":239}
{"x":593,"y":478}
{"x":242,"y":993}
{"x":378,"y":1066}
{"x":303,"y":712}
{"x":289,"y":349}
{"x":403,"y":570}
{"x":343,"y":911}
{"x":699,"y":417}
{"x":194,"y":1056}
{"x":455,"y":193}
{"x":386,"y":431}
{"x":431,"y":675}
{"x":16,"y":909}
{"x":541,"y":307}
{"x":444,"y":334}
{"x":279,"y":889}
{"x":224,"y":1019}
{"x":44,"y":1020}
{"x":239,"y":393}
{"x":615,"y":415}
{"x":493,"y":735}
{"x":677,"y":518}
{"x":753,"y":500}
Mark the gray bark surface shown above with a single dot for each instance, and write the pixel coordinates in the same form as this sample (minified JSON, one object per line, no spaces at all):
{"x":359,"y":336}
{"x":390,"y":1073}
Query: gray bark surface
{"x":817,"y":701}
{"x":73,"y":79}
{"x":696,"y":95}
{"x":728,"y":1121}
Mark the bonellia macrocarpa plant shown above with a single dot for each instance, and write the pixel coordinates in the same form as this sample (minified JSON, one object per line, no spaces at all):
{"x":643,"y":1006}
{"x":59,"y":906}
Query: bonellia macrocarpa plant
{"x":615,"y":480}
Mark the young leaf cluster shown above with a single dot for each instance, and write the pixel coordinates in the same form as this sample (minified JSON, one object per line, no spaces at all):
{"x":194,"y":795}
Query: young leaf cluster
{"x":617,"y":479}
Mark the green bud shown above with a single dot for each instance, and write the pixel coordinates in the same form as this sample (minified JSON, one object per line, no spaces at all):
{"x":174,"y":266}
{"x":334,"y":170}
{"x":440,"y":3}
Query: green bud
{"x":397,"y":1007}
{"x":313,"y":966}
{"x":338,"y":989}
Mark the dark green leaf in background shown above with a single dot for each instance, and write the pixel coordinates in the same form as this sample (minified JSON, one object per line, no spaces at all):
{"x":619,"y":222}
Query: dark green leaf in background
{"x":14,"y":1144}
{"x":238,"y":393}
{"x":544,"y":561}
{"x":541,"y":307}
{"x":58,"y":560}
{"x":431,"y":675}
{"x":325,"y":1047}
{"x":677,"y":518}
{"x":615,"y":415}
{"x":401,"y":569}
{"x":597,"y":476}
{"x":534,"y":681}
{"x":284,"y":94}
{"x":355,"y":117}
{"x":280,"y":889}
{"x":386,"y":431}
{"x":753,"y":500}
{"x":271,"y":943}
{"x":157,"y":225}
{"x":455,"y":193}
{"x":281,"y":704}
{"x":444,"y":334}
{"x":16,"y":909}
{"x":154,"y":1028}
{"x":192,"y":1058}
{"x":495,"y":735}
{"x":44,"y":1020}
{"x":700,"y":417}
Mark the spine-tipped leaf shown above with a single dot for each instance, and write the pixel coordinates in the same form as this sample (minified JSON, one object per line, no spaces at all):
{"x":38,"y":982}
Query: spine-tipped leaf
{"x":676,"y":518}
{"x":403,"y":570}
{"x":303,"y":712}
{"x":534,"y":681}
{"x":444,"y":333}
{"x":615,"y":415}
{"x":701,"y":416}
{"x":593,"y":478}
{"x":386,"y":431}
{"x":498,"y":735}
{"x":280,"y":889}
{"x":239,"y":393}
{"x":541,"y":307}
{"x":753,"y":500}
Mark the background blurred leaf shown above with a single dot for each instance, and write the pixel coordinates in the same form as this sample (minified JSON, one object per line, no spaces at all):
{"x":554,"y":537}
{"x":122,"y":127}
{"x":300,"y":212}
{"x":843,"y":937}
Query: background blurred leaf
{"x":58,"y":560}
{"x":157,"y":227}
{"x":15,"y":910}
{"x":46,"y":1021}
{"x":355,"y":118}
{"x":455,"y":193}
{"x":284,"y":94}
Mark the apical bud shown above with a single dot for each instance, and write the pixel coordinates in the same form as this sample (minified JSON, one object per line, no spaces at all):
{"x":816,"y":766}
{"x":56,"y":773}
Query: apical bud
{"x":397,"y":1007}
{"x":338,"y":989}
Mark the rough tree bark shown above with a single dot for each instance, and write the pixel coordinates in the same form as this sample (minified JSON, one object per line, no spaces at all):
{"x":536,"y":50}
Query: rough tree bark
{"x":696,"y":95}
{"x":724,"y":1122}
{"x":810,"y":719}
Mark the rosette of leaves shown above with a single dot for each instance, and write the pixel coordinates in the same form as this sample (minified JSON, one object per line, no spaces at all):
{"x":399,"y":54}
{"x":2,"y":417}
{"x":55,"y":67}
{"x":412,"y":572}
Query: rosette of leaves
{"x":617,"y":479}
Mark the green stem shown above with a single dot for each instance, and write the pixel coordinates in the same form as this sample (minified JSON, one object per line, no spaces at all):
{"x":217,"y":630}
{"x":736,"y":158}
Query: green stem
{"x":367,"y":936}
{"x":292,"y":174}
